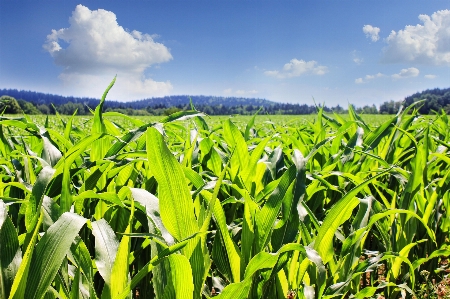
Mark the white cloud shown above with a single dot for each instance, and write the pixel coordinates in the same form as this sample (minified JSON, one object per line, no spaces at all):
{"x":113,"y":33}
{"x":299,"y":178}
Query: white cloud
{"x":296,"y":68}
{"x":246,"y":92}
{"x":406,"y":73}
{"x":368,"y":78}
{"x":240,"y":92}
{"x":430,"y":76}
{"x":356,"y":58}
{"x":358,"y":61}
{"x":99,"y":48}
{"x":371,"y":32}
{"x":428,"y":43}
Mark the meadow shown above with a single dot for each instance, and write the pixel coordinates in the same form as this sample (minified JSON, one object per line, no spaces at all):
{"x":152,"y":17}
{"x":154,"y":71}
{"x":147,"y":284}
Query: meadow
{"x":191,"y":206}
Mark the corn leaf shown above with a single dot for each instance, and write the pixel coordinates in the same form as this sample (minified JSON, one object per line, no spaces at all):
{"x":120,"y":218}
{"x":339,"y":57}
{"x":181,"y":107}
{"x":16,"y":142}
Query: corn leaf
{"x":176,"y":206}
{"x":50,"y":252}
{"x":10,"y":253}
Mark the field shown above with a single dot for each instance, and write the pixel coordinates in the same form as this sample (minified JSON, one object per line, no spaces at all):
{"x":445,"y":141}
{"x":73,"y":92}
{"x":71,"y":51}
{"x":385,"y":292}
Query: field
{"x":188,"y":206}
{"x":240,"y":120}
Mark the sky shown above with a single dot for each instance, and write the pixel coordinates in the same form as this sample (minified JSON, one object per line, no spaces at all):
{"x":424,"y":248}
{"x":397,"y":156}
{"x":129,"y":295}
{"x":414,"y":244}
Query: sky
{"x":362,"y":52}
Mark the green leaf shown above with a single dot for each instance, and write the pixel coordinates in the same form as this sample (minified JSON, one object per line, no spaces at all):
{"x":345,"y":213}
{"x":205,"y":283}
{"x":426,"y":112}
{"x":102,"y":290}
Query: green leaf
{"x":68,"y":128}
{"x":80,"y":256}
{"x":49,"y":152}
{"x":20,"y":281}
{"x":369,"y":291}
{"x":119,"y":274}
{"x":110,"y":197}
{"x":50,"y":252}
{"x":261,"y":261}
{"x":395,"y":268}
{"x":373,"y":139}
{"x":10,"y":253}
{"x":100,"y":146}
{"x":248,"y":233}
{"x":126,"y":139}
{"x":434,"y":254}
{"x":181,"y":115}
{"x":337,"y":215}
{"x":265,"y":218}
{"x":75,"y":290}
{"x":175,"y":202}
{"x":37,"y":195}
{"x":151,"y":204}
{"x":133,"y":120}
{"x":181,"y":274}
{"x":236,"y":143}
{"x":65,"y":201}
{"x":248,"y":173}
{"x":106,"y":246}
{"x":232,"y":250}
{"x":150,"y":265}
{"x":250,"y":124}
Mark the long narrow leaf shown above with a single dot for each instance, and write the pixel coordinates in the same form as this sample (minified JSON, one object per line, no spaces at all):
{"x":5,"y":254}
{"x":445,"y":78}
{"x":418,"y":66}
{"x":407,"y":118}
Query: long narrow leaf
{"x":50,"y":252}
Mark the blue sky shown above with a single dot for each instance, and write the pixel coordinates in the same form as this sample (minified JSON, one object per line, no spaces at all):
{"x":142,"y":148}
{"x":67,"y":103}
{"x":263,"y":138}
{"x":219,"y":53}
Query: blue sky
{"x":362,"y":52}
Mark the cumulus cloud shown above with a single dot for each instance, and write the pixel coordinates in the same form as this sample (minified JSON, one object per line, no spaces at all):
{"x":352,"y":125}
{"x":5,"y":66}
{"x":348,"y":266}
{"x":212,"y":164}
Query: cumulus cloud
{"x":406,"y":73}
{"x":368,"y":78}
{"x":296,"y":68}
{"x":427,"y":43}
{"x":99,"y":48}
{"x":371,"y":32}
{"x":430,"y":76}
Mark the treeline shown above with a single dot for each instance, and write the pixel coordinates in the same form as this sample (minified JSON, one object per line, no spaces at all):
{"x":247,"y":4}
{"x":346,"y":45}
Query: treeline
{"x":10,"y":105}
{"x":38,"y":98}
{"x":434,"y":100}
{"x":14,"y":101}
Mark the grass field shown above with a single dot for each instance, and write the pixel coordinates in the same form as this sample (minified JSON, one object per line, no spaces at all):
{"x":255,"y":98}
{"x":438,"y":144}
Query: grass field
{"x":190,"y":206}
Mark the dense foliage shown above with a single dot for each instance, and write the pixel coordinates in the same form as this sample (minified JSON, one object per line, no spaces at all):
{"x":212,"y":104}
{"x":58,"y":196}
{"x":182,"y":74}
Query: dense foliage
{"x":432,"y":100}
{"x":9,"y":105}
{"x":435,"y":100}
{"x":183,"y":208}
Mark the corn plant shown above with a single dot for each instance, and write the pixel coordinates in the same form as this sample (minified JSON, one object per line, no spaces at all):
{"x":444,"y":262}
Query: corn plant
{"x":117,"y":207}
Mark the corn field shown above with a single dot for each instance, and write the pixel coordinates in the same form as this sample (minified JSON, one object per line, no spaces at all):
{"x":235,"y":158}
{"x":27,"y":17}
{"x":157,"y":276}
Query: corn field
{"x":334,"y":208}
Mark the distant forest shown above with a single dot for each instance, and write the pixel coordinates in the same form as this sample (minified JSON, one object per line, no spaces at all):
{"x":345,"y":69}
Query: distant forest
{"x":17,"y":101}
